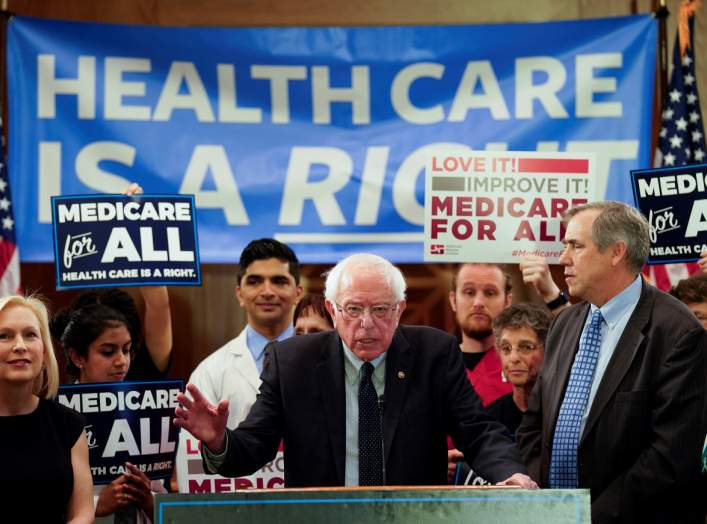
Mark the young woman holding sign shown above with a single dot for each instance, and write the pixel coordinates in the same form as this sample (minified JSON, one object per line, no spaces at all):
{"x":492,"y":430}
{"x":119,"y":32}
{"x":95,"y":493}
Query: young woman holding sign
{"x":45,"y":473}
{"x":98,"y":341}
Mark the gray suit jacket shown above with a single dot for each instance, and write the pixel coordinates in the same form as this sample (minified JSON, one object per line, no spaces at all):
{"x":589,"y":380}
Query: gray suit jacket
{"x":639,"y":451}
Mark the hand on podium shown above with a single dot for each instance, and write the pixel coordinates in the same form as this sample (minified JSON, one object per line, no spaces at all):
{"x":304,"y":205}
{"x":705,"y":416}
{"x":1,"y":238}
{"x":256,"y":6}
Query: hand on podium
{"x":519,"y":479}
{"x":202,"y":419}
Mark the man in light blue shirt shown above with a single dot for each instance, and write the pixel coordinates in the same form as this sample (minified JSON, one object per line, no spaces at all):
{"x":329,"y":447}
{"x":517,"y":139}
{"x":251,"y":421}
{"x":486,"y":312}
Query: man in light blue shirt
{"x":268,"y":289}
{"x":619,"y":406}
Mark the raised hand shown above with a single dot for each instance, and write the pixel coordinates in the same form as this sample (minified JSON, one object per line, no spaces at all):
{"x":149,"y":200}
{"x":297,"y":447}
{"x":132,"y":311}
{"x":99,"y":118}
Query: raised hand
{"x":202,"y":419}
{"x":133,"y":189}
{"x":536,"y":271}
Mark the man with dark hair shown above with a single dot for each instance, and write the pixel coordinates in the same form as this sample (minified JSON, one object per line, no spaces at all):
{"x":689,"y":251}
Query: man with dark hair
{"x":693,"y":293}
{"x":619,"y":406}
{"x":267,"y":248}
{"x":268,"y":289}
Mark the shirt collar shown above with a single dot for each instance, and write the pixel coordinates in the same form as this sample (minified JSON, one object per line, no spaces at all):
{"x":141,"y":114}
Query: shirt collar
{"x":257,"y":342}
{"x":356,"y":362}
{"x":618,"y":306}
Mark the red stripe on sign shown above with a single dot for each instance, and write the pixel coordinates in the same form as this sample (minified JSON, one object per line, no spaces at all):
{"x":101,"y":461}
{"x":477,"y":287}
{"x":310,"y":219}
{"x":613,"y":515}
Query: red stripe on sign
{"x":553,"y":165}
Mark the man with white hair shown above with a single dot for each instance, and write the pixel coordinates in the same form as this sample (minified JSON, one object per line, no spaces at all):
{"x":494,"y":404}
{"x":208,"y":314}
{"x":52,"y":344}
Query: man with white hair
{"x":370,"y":403}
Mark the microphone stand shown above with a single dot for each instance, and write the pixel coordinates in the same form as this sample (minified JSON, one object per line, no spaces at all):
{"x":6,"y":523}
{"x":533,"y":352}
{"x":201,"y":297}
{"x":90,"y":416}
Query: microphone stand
{"x":381,"y":409}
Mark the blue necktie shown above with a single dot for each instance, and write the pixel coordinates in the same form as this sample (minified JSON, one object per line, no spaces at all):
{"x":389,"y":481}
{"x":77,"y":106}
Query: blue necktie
{"x":563,"y":462}
{"x":370,"y":450}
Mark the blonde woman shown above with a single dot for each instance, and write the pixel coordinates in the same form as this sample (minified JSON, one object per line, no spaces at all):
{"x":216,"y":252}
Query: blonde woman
{"x":45,"y":472}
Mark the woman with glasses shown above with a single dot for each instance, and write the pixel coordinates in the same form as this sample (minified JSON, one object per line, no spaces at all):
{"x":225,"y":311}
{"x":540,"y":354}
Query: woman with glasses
{"x":520,"y":332}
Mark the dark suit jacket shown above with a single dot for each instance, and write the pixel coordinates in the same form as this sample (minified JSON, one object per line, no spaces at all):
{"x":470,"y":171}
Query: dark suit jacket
{"x":639,"y":450}
{"x":427,"y":396}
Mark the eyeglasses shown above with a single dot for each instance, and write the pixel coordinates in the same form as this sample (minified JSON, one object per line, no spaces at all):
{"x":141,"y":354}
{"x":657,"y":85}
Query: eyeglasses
{"x":524,"y":348}
{"x":354,"y":311}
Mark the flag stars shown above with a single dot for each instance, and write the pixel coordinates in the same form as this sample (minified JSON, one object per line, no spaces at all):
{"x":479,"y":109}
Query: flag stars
{"x":3,"y":185}
{"x":675,"y":95}
{"x":691,"y":98}
{"x":689,"y":79}
{"x":669,"y":159}
{"x":7,"y":223}
{"x":688,"y":152}
{"x":664,"y":132}
{"x":686,"y":60}
{"x":668,"y":114}
{"x":699,"y":155}
{"x":681,"y":124}
{"x":696,"y":136}
{"x":675,"y":141}
{"x":694,"y":116}
{"x":4,"y":204}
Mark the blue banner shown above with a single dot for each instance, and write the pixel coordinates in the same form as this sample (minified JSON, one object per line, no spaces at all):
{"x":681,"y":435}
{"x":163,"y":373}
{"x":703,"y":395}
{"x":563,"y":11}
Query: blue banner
{"x":118,"y":240}
{"x":673,"y":200}
{"x":316,"y":136}
{"x":127,"y":422}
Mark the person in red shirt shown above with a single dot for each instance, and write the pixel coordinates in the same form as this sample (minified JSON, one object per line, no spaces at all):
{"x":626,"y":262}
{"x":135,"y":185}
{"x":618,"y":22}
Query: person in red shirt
{"x":480,"y":292}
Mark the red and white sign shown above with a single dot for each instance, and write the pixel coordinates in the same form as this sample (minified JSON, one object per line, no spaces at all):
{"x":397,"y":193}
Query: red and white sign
{"x":191,"y":477}
{"x":499,"y":206}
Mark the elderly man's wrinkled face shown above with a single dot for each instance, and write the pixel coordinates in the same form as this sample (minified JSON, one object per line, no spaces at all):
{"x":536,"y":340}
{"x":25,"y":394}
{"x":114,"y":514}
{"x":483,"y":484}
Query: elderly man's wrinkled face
{"x":366,"y":313}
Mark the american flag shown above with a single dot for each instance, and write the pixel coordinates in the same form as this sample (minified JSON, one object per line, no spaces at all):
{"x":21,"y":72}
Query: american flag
{"x":9,"y":254}
{"x":681,"y":141}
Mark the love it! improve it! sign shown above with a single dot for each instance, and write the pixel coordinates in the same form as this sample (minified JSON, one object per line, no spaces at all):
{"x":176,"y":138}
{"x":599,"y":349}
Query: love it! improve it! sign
{"x":674,"y":201}
{"x":118,"y":240}
{"x":483,"y":206}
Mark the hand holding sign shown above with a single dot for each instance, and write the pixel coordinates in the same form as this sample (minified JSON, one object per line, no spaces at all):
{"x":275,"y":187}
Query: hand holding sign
{"x":703,"y":260}
{"x":133,"y":189}
{"x":137,"y":485}
{"x":202,"y":419}
{"x":115,"y":495}
{"x":536,"y":271}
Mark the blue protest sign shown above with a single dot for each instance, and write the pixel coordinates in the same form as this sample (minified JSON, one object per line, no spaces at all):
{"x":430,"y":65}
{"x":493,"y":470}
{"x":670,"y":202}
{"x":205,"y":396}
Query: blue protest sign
{"x":674,"y":200}
{"x":127,"y":421}
{"x":315,"y":136}
{"x":118,"y":240}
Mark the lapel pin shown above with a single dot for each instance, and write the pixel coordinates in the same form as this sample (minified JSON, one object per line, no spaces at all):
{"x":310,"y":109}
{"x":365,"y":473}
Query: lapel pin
{"x":401,"y":375}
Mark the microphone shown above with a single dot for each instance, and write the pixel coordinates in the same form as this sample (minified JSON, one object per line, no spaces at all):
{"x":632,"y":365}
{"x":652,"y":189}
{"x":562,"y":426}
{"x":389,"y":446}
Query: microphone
{"x":381,"y":409}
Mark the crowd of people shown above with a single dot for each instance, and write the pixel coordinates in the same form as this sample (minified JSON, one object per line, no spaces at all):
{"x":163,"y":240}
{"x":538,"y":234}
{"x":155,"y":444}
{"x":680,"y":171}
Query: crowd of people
{"x":608,"y":394}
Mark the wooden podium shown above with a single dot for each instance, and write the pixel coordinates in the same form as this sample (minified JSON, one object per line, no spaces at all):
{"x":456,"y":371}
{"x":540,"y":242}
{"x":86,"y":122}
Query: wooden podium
{"x":409,"y":505}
